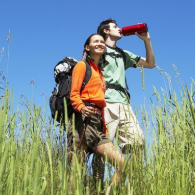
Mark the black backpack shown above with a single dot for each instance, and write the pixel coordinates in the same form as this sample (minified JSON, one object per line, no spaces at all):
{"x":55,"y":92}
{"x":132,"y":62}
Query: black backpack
{"x":60,"y":97}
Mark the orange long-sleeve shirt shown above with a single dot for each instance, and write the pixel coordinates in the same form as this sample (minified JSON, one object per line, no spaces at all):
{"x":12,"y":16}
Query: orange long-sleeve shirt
{"x":94,"y":90}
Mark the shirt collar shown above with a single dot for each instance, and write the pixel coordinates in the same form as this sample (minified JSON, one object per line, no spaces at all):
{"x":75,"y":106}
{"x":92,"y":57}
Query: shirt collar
{"x":115,"y":48}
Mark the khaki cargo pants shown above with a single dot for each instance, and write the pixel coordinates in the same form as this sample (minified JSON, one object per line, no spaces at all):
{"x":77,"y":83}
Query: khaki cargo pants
{"x":122,"y":124}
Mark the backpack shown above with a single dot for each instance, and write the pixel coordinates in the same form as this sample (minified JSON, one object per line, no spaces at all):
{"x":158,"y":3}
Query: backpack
{"x":61,"y":93}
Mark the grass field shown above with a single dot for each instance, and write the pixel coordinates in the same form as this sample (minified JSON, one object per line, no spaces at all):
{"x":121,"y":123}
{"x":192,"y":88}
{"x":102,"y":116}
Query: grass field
{"x":33,"y":150}
{"x":33,"y":153}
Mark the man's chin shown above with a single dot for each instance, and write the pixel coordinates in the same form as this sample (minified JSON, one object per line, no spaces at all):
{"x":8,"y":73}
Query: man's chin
{"x":118,"y":38}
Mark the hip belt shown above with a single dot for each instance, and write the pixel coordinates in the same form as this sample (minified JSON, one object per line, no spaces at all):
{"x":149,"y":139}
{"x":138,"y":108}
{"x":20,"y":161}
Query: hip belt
{"x":119,"y":88}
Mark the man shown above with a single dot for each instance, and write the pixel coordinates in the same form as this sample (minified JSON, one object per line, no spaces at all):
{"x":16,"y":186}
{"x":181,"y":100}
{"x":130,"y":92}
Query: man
{"x":119,"y":115}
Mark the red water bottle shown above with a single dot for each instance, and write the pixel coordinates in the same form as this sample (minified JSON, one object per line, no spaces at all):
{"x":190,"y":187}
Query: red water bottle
{"x":130,"y":30}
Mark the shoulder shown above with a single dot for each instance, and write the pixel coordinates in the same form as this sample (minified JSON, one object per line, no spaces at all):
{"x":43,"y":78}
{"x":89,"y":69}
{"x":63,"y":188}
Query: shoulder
{"x":127,"y":52}
{"x":80,"y":65}
{"x":80,"y":68}
{"x":131,"y":55}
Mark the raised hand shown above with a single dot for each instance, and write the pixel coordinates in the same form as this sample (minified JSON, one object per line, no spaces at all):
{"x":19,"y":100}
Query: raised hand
{"x":144,"y":36}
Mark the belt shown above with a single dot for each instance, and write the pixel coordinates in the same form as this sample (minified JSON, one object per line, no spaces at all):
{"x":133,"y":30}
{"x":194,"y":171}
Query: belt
{"x":97,"y":109}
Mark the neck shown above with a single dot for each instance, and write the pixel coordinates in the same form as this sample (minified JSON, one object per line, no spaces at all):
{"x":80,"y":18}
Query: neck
{"x":110,"y":42}
{"x":96,"y":59}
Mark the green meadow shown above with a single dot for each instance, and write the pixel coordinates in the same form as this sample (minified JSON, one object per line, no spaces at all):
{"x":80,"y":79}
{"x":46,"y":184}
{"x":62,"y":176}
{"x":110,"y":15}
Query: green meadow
{"x":33,"y":150}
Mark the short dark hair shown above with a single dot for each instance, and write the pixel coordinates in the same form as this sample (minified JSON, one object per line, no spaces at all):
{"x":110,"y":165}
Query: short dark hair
{"x":105,"y":25}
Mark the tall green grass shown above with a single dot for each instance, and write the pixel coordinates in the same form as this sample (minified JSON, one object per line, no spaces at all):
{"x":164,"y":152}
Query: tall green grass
{"x":33,"y":152}
{"x":33,"y":149}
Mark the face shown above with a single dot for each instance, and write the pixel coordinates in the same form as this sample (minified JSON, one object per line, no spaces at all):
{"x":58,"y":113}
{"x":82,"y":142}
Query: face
{"x":114,"y":31}
{"x":96,"y":45}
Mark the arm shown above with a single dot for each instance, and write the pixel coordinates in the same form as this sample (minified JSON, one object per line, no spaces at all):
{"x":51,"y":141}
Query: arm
{"x":149,"y":61}
{"x":78,"y":76}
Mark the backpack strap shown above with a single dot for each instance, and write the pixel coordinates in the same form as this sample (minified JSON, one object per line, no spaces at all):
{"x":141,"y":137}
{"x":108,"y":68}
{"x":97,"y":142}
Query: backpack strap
{"x":123,"y":55}
{"x":87,"y":75}
{"x":124,"y":60}
{"x":119,"y":88}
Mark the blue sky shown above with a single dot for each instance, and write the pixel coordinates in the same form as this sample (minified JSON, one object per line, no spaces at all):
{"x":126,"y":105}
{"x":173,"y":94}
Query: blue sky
{"x":43,"y":32}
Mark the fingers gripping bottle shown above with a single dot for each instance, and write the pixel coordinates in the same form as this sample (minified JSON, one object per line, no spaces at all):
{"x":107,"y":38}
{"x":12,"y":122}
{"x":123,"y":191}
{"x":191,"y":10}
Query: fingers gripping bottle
{"x":130,"y":30}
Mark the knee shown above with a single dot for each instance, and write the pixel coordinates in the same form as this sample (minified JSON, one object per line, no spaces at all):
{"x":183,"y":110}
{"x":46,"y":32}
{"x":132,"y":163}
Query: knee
{"x":126,"y":149}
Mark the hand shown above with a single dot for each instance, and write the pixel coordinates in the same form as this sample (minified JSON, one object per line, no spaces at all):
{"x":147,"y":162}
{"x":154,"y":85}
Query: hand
{"x":144,"y":36}
{"x":87,"y":111}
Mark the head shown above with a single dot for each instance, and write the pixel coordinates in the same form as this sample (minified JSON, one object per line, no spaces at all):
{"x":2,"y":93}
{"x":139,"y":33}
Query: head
{"x":94,"y":46}
{"x":108,"y":28}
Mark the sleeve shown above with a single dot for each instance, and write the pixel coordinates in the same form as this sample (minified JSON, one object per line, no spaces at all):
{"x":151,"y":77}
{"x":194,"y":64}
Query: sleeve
{"x":131,"y":59}
{"x":78,"y":76}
